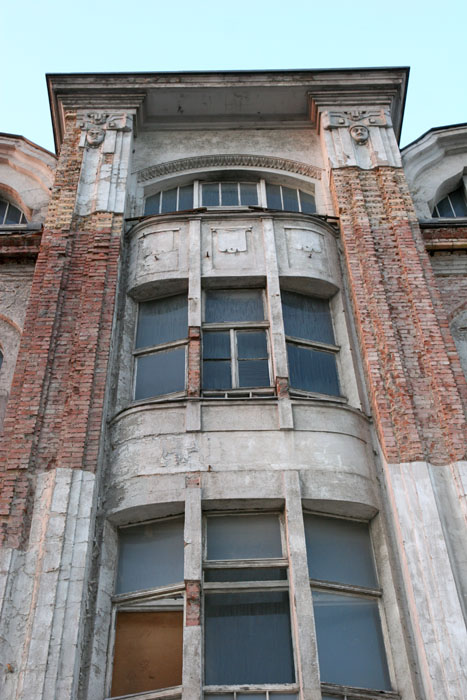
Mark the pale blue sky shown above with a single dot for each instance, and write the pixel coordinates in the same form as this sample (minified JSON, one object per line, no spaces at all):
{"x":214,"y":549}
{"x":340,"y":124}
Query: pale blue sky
{"x":49,"y":36}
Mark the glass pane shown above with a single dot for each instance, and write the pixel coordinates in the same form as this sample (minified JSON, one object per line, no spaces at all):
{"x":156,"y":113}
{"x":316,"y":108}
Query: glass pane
{"x":273,"y":195}
{"x":458,"y":202}
{"x":229,"y":194}
{"x":211,"y":195}
{"x":161,"y":373}
{"x":253,"y":373}
{"x":350,"y":641}
{"x":148,"y":651}
{"x":307,"y":317}
{"x":152,"y":204}
{"x":283,"y":696}
{"x":312,"y":370}
{"x":234,"y":305}
{"x":307,"y":202}
{"x":244,"y":537}
{"x":150,"y":555}
{"x":251,"y":696}
{"x":251,"y":344}
{"x":169,"y":200}
{"x":3,"y":206}
{"x":13,"y":215}
{"x":290,"y":198}
{"x":248,"y":194}
{"x":247,"y":638}
{"x":162,"y":321}
{"x":216,"y":345}
{"x":185,"y":197}
{"x":339,"y":550}
{"x":217,"y":374}
{"x":223,"y":575}
{"x":444,"y":208}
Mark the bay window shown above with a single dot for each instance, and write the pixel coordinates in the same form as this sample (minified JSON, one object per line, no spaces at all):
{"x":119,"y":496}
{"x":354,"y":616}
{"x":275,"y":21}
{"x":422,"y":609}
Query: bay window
{"x":160,"y":347}
{"x":311,"y":347}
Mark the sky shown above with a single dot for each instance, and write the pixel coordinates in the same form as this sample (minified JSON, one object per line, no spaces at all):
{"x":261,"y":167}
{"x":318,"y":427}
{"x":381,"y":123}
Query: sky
{"x":52,"y":36}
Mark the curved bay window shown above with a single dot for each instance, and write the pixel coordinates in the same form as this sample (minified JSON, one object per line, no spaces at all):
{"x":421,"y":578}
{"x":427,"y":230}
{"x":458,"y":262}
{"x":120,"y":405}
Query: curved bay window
{"x":160,"y":347}
{"x":311,"y":347}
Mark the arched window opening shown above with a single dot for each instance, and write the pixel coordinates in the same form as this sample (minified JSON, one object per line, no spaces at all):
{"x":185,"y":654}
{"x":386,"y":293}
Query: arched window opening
{"x":453,"y":205}
{"x":9,"y":214}
{"x":228,"y":193}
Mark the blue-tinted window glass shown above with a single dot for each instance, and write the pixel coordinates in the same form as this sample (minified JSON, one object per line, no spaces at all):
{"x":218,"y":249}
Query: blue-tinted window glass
{"x":340,"y":551}
{"x":229,"y":194}
{"x":224,"y":575}
{"x":244,"y":537}
{"x":444,"y":208}
{"x":162,"y":321}
{"x":13,"y":215}
{"x":248,"y":638}
{"x":312,"y":370}
{"x":185,"y":198}
{"x":273,"y":195}
{"x":307,"y":317}
{"x":232,"y":305}
{"x":169,"y":201}
{"x":350,"y":641}
{"x":150,"y":555}
{"x":248,"y":194}
{"x":308,"y":203}
{"x":290,"y":199}
{"x":152,"y":204}
{"x":251,"y":345}
{"x":211,"y":195}
{"x":216,"y":345}
{"x":458,"y":202}
{"x":253,"y":373}
{"x":160,"y":373}
{"x":217,"y":374}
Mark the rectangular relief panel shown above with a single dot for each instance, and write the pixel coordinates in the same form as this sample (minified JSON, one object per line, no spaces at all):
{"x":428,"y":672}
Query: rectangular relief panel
{"x":232,"y":246}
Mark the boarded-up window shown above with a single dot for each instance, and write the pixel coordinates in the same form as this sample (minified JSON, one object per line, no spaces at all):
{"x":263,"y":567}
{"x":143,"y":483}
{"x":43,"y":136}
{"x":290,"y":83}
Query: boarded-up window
{"x":148,"y":651}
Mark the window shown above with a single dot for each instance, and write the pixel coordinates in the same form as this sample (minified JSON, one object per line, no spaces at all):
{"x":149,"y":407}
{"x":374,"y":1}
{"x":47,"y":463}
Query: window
{"x":247,"y":610}
{"x":235,"y":340}
{"x":148,"y":608}
{"x":346,"y":604}
{"x":311,"y":347}
{"x":230,"y":194}
{"x":289,"y":199}
{"x":160,"y":347}
{"x":453,"y":205}
{"x":175,"y":199}
{"x":9,"y":214}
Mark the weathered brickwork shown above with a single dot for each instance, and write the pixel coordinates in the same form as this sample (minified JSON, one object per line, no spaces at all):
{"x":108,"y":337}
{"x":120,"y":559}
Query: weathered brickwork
{"x":194,"y":360}
{"x":413,"y":385}
{"x":55,"y":410}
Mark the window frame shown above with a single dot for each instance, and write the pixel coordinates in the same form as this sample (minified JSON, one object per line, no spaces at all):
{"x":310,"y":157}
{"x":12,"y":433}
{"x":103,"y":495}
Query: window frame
{"x":22,"y":219}
{"x":145,"y":600}
{"x":149,"y":350}
{"x":356,"y":591}
{"x":233,"y":327}
{"x":330,"y":348}
{"x":270,"y":689}
{"x":461,"y":189}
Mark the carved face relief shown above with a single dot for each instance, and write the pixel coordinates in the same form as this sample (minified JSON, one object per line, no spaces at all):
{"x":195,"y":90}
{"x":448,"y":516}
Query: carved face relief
{"x":94,"y":136}
{"x":359,"y":133}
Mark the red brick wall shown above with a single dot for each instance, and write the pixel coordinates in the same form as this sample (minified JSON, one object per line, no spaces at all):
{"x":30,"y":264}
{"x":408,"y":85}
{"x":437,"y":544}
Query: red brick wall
{"x":55,"y":410}
{"x":411,"y":372}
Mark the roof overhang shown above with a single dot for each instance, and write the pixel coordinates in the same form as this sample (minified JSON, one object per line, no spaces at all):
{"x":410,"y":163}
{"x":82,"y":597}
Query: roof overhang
{"x":233,"y":98}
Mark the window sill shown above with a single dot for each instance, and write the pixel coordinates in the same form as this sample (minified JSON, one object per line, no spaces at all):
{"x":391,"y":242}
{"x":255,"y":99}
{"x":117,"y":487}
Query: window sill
{"x":172,"y":693}
{"x":349,"y":693}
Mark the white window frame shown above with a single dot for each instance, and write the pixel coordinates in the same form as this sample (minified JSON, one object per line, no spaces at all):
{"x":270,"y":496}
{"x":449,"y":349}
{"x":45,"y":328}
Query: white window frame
{"x":22,"y":218}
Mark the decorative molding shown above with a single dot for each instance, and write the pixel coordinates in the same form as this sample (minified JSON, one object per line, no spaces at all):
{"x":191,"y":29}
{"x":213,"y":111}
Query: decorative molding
{"x":365,"y":117}
{"x":96,"y":124}
{"x":226,"y":160}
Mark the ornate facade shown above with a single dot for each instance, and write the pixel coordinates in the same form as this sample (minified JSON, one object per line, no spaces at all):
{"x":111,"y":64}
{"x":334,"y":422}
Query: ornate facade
{"x":233,"y":385}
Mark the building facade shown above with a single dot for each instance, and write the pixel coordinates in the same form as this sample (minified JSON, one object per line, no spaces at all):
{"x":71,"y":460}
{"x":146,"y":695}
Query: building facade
{"x":233,"y":333}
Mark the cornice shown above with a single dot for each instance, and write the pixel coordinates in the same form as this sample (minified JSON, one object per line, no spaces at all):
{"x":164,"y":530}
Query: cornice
{"x":226,"y":160}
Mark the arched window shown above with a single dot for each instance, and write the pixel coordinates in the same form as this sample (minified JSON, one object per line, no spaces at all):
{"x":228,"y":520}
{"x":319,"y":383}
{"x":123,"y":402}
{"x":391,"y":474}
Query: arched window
{"x":9,"y":214}
{"x":230,"y":193}
{"x":452,"y":205}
